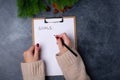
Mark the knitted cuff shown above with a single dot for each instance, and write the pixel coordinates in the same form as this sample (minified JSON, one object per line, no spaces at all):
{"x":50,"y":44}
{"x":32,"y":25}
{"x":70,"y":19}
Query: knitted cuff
{"x":33,"y":71}
{"x":67,"y":59}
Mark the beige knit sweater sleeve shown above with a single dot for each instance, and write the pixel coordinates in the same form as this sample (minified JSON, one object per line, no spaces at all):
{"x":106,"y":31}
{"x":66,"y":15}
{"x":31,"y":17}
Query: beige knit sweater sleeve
{"x":72,"y":67}
{"x":33,"y":71}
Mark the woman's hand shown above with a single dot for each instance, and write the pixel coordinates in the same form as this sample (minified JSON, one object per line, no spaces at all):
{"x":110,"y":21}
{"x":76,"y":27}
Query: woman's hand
{"x":32,"y":54}
{"x":66,"y":40}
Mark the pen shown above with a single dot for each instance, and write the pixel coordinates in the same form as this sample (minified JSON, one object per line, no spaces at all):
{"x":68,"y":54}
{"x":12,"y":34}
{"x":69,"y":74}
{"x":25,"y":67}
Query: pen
{"x":68,"y":48}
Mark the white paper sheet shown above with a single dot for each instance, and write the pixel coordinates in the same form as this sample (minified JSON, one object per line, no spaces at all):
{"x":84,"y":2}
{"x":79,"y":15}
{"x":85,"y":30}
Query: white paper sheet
{"x":44,"y":35}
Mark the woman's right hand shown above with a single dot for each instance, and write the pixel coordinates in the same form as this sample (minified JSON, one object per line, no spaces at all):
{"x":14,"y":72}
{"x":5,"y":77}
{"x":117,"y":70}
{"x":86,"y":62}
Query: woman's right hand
{"x":66,"y":40}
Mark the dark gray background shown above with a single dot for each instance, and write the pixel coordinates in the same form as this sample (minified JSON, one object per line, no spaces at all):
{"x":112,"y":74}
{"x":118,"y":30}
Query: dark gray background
{"x":98,"y":33}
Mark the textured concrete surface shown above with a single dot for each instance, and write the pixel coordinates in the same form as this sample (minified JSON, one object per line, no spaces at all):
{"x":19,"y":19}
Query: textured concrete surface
{"x":98,"y":33}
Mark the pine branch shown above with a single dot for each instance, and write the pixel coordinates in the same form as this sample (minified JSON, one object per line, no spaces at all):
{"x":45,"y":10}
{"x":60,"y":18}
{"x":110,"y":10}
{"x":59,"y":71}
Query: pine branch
{"x":29,"y":8}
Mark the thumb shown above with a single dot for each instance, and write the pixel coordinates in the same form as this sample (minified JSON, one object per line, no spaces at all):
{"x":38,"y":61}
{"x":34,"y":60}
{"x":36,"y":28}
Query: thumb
{"x":59,"y":43}
{"x":31,"y":48}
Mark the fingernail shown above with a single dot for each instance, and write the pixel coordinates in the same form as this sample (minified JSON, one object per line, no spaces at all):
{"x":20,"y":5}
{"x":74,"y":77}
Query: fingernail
{"x":37,"y":45}
{"x":57,"y":37}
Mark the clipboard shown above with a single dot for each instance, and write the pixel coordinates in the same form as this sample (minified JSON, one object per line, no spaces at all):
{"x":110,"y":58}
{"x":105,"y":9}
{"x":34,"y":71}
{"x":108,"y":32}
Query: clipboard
{"x":43,"y":31}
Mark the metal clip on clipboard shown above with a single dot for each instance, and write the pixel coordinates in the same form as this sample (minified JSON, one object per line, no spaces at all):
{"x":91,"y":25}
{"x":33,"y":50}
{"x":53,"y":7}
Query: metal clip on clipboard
{"x":53,"y":20}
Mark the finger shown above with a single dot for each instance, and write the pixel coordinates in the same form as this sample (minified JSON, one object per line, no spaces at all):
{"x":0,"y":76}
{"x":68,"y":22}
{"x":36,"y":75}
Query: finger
{"x":37,"y":50}
{"x":65,"y":37}
{"x":31,"y":49}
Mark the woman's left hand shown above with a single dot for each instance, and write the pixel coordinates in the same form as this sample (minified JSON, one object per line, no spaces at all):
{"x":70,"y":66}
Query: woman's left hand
{"x":32,"y":54}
